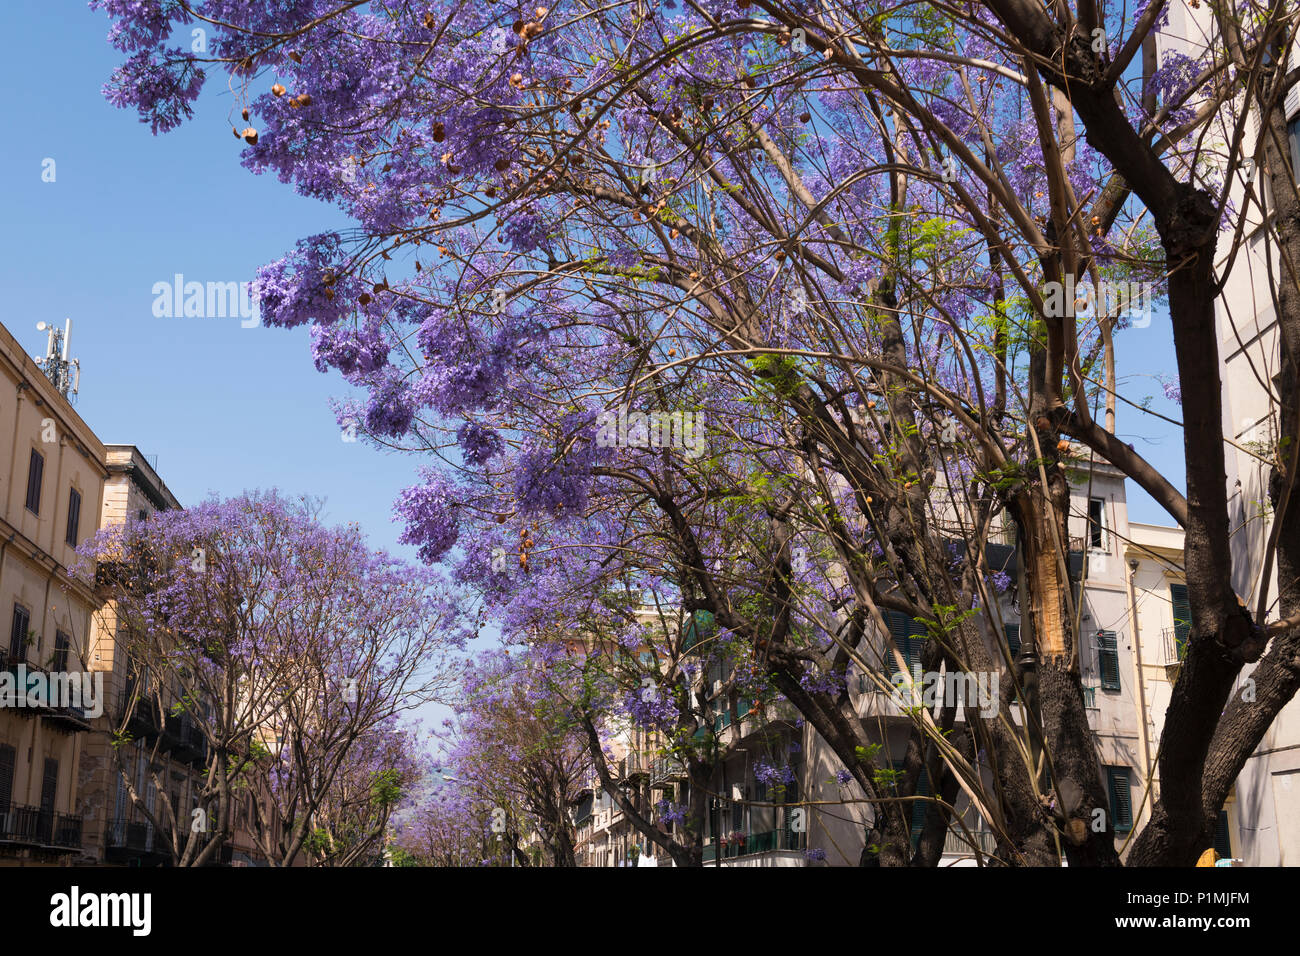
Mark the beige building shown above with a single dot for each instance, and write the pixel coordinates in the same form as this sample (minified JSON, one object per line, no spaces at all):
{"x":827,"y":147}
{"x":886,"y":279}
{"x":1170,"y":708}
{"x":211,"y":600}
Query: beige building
{"x":52,"y":475}
{"x":1266,"y":797}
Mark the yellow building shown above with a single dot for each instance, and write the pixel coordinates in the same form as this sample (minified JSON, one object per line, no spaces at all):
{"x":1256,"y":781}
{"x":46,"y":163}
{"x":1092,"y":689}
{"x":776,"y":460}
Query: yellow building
{"x":52,"y":474}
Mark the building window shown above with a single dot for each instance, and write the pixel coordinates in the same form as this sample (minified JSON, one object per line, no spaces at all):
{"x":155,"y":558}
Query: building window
{"x":908,"y":634}
{"x":1096,"y":524}
{"x":74,"y":517}
{"x":1222,"y":839}
{"x":1012,"y":632}
{"x":1293,"y":138}
{"x":1182,"y":617}
{"x":49,"y":785}
{"x":1108,"y":660}
{"x":7,"y":754}
{"x":18,"y":632}
{"x":1121,"y":800}
{"x":35,"y":472}
{"x":61,"y":645}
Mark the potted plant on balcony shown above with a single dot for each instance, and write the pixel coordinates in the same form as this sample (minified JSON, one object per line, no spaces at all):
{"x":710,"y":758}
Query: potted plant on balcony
{"x":736,"y":839}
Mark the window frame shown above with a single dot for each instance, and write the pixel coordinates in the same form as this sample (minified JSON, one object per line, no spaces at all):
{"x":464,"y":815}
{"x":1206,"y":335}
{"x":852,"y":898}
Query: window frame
{"x":1103,"y":638}
{"x":1114,"y":776}
{"x":15,"y":633}
{"x":74,"y":518}
{"x":1097,"y":529}
{"x":35,"y":481}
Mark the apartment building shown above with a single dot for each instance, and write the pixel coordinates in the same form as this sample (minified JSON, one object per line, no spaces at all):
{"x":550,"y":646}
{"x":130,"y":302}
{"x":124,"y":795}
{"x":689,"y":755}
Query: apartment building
{"x":62,"y":799}
{"x":777,"y":759}
{"x":52,"y":477}
{"x":116,"y":832}
{"x":1262,"y":807}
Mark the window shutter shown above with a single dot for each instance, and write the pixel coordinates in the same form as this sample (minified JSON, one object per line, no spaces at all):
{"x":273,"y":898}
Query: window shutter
{"x":1121,"y":801}
{"x":35,"y":472}
{"x":908,"y":634}
{"x":6,"y":776}
{"x":1182,"y":617}
{"x":920,"y":807}
{"x":74,"y":517}
{"x":1222,"y":839}
{"x":18,"y":634}
{"x":49,"y":785}
{"x":1293,"y":94}
{"x":1012,"y":632}
{"x":1108,"y":660}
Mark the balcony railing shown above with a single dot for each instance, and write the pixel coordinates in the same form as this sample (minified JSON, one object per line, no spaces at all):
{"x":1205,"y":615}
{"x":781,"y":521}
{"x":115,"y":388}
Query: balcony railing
{"x":184,"y":738}
{"x":960,"y":842}
{"x":754,"y":843}
{"x":666,"y":769}
{"x":31,"y":826}
{"x":121,"y":835}
{"x":1174,"y":640}
{"x":73,"y":718}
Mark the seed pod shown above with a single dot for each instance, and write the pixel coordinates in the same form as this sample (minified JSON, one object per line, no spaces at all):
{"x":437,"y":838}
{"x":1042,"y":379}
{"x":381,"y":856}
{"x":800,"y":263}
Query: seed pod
{"x":245,"y":113}
{"x":250,"y":135}
{"x":439,"y":132}
{"x":295,"y":56}
{"x":277,"y":89}
{"x":429,"y":21}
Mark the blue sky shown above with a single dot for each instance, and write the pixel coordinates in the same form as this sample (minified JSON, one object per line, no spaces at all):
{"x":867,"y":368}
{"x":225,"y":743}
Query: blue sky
{"x":222,"y":408}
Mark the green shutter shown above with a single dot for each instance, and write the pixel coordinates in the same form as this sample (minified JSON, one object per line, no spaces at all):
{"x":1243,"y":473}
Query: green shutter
{"x":1012,"y":632}
{"x":1182,"y":617}
{"x":919,"y":807}
{"x":1121,"y":800}
{"x":908,"y":634}
{"x":1222,"y":840}
{"x":699,"y":628}
{"x":1108,"y":660}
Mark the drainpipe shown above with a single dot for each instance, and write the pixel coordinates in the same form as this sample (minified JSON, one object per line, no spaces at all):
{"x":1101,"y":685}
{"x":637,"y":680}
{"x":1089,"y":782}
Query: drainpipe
{"x":1144,"y":747}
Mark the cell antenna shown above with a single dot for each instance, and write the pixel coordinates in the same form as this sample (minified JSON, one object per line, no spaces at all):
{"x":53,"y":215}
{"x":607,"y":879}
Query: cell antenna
{"x":64,"y":373}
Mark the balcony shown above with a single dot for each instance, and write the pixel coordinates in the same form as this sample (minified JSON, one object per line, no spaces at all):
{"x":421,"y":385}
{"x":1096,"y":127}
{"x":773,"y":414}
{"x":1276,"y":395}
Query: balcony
{"x":665,"y":770}
{"x":756,"y":843}
{"x":143,"y":721}
{"x":40,"y":829}
{"x":959,"y":842}
{"x":182,"y":736}
{"x":131,"y":844}
{"x":1174,"y":644}
{"x":69,"y":718}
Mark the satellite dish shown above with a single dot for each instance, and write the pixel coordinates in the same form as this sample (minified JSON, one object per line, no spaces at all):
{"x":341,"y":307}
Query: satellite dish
{"x":41,"y":326}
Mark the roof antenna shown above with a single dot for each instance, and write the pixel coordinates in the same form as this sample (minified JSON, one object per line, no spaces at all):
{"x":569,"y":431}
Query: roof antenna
{"x":65,"y":375}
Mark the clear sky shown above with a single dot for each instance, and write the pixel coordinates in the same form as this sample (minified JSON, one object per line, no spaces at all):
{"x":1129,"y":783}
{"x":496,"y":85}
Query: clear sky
{"x":222,"y":408}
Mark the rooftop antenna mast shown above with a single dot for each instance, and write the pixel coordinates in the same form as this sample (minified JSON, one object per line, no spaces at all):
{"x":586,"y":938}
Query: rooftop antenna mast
{"x":63,"y":373}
